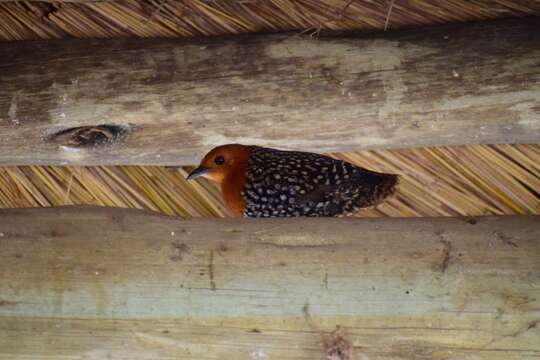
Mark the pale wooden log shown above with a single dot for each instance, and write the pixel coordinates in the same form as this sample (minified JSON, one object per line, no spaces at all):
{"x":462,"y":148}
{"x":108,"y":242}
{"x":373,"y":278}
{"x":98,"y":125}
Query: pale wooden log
{"x":174,"y":99}
{"x":89,"y":283}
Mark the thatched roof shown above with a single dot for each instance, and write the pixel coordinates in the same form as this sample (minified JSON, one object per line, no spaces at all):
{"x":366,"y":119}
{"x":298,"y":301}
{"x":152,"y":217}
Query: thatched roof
{"x":471,"y":180}
{"x":167,"y":18}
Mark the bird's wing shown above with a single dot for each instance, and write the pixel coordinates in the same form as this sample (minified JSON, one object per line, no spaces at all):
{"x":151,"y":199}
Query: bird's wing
{"x":320,"y":194}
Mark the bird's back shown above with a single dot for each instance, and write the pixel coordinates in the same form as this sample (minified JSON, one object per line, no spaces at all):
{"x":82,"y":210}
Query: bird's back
{"x":292,"y":183}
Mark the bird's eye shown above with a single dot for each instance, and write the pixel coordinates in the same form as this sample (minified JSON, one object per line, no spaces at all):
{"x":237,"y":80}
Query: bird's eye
{"x":219,"y":160}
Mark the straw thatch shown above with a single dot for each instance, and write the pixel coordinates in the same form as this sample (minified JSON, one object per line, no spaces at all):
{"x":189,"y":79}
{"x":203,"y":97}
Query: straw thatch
{"x":151,"y":18}
{"x":473,"y":180}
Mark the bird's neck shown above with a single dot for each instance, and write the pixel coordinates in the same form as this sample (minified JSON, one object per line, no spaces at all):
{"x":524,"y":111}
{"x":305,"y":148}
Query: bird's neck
{"x":233,"y":185}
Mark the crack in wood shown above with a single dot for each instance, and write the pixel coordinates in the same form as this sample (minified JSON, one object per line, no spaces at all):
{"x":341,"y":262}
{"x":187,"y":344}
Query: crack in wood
{"x":335,"y":345}
{"x":446,"y":251}
{"x":299,"y":246}
{"x":211,"y":271}
{"x":523,"y":329}
{"x":8,"y":303}
{"x":446,"y":255}
{"x":505,"y":238}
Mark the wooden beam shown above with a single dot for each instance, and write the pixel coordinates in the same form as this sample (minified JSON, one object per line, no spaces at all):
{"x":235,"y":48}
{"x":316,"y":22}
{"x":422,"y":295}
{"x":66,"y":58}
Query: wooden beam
{"x":167,"y":101}
{"x":113,"y":283}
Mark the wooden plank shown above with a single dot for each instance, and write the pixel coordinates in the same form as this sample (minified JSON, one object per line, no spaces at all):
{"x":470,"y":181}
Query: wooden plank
{"x":123,"y":284}
{"x":174,"y":99}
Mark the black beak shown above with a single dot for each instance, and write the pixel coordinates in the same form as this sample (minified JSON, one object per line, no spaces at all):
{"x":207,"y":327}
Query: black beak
{"x":200,"y":171}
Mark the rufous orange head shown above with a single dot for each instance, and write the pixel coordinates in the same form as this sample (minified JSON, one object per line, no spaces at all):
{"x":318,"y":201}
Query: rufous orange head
{"x":222,"y":162}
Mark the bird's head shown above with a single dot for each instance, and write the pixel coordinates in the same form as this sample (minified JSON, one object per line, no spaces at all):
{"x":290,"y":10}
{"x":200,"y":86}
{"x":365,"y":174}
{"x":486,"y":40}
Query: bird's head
{"x":222,"y":162}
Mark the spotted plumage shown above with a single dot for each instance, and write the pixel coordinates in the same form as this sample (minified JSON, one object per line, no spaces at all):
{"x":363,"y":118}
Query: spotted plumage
{"x":291,"y":183}
{"x":264,"y":182}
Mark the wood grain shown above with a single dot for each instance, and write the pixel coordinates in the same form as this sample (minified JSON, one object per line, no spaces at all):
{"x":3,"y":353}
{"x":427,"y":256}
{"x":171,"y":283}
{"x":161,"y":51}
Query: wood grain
{"x":90,"y":283}
{"x":175,"y":99}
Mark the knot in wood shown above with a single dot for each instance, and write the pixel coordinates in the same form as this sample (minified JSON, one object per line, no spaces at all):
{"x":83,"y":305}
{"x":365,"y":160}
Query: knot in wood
{"x":89,"y":136}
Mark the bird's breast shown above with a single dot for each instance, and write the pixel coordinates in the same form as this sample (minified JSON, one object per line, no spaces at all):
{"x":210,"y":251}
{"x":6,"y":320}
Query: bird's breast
{"x":232,"y":190}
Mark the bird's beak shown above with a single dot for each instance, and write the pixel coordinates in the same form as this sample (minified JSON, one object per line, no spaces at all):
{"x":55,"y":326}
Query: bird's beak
{"x":200,"y":171}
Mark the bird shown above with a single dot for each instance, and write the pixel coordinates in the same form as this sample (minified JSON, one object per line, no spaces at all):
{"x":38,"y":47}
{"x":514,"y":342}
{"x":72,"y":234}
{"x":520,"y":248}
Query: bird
{"x":263,"y":182}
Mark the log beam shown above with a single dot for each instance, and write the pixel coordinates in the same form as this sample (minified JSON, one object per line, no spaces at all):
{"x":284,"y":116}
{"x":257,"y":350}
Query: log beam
{"x":113,"y":283}
{"x":167,"y":101}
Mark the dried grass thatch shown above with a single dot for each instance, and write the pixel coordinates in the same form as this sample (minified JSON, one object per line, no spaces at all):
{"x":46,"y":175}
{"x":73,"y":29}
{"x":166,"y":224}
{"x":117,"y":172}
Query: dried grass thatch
{"x":473,"y":180}
{"x":172,"y":18}
{"x":449,"y":181}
